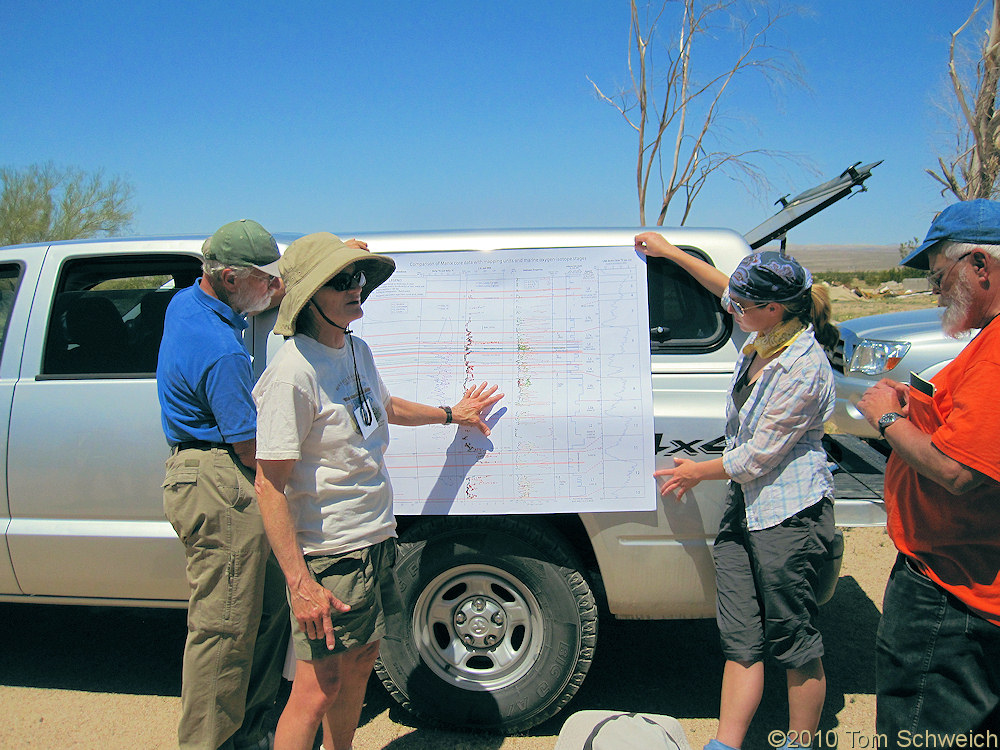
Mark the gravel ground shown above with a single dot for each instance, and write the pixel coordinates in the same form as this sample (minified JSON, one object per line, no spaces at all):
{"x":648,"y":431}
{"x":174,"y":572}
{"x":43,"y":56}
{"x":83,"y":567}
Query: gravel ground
{"x":87,"y":677}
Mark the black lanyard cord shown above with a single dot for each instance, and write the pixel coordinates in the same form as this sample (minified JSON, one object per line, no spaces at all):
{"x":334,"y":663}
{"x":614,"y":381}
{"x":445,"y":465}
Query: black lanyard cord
{"x":366,"y":411}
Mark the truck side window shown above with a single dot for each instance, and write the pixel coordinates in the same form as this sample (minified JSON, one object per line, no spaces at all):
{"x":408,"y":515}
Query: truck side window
{"x":10,"y":276}
{"x":107,"y":316}
{"x":683,"y":316}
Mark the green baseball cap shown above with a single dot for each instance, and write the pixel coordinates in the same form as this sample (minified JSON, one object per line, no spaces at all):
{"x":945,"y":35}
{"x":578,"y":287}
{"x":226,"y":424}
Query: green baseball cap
{"x":244,"y":243}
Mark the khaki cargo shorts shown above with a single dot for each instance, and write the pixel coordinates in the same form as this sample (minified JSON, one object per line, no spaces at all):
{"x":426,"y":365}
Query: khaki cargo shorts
{"x":362,"y":578}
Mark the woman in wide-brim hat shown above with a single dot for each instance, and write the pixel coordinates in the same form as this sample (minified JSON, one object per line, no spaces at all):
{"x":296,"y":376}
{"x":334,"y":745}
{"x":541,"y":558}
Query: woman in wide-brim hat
{"x":325,"y":496}
{"x":311,"y":261}
{"x":777,"y":528}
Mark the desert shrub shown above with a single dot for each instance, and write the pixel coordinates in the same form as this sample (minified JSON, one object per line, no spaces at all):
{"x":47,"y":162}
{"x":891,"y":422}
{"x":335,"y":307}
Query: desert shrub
{"x":865,"y":278}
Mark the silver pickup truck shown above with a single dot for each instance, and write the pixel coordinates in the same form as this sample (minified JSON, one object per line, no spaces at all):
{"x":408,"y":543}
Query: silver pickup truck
{"x":891,"y":345}
{"x":81,"y":508}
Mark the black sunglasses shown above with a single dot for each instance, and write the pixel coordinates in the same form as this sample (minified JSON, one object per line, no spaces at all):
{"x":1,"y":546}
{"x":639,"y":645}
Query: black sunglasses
{"x":344,"y":281}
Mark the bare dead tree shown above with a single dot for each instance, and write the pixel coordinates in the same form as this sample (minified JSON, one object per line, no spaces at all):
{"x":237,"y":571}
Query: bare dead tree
{"x":677,"y":113}
{"x":973,"y":171}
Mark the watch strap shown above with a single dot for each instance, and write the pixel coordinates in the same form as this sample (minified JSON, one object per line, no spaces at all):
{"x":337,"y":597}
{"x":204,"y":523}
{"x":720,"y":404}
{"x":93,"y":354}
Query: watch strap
{"x":447,"y":414}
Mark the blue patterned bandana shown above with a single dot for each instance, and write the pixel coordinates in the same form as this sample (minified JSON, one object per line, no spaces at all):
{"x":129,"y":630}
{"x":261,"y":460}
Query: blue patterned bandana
{"x":769,"y":276}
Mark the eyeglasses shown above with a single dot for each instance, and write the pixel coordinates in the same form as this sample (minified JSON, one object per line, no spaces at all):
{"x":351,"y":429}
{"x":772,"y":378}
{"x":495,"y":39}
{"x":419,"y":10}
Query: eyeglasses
{"x":344,"y":281}
{"x":730,"y":304}
{"x":937,"y":277}
{"x":266,"y":277}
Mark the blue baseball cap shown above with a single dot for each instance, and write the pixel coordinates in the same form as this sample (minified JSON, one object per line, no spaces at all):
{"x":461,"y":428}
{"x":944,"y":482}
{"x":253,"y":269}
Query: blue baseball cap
{"x":967,"y":221}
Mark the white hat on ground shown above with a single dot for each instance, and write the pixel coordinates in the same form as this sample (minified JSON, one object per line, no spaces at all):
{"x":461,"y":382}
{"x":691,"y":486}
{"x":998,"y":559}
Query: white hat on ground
{"x":621,"y":730}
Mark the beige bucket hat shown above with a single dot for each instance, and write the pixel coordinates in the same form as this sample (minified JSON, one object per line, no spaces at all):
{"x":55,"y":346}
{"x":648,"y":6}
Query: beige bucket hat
{"x":309,"y":262}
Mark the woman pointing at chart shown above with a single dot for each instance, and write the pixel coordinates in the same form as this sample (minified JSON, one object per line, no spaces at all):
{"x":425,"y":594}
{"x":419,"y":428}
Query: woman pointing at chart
{"x":325,"y":496}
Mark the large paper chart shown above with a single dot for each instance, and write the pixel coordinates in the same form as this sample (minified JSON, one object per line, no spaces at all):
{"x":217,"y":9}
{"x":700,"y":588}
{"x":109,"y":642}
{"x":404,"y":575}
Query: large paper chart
{"x":565,"y":334}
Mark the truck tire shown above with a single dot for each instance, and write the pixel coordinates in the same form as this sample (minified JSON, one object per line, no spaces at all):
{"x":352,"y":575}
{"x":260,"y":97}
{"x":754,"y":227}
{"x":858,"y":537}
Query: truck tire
{"x":498,"y":627}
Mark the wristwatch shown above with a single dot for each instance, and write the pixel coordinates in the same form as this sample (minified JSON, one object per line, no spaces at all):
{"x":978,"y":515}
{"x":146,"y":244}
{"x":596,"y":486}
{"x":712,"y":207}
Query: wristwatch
{"x":887,"y":419}
{"x":447,"y":414}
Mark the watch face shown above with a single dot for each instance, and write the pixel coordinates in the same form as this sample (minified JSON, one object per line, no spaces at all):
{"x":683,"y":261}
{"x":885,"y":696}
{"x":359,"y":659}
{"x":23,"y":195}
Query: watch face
{"x":887,"y":419}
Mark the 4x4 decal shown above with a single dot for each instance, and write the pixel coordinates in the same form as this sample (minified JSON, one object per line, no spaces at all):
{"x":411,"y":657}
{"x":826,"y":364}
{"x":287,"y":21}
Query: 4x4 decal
{"x":690,"y":448}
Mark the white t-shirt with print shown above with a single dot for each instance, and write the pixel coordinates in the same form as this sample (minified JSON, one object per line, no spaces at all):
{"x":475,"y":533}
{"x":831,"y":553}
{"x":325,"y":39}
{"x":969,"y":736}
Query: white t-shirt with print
{"x":339,"y":492}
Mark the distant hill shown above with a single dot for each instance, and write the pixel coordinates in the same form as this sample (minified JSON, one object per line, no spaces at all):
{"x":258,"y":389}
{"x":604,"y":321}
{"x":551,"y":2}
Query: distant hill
{"x":844,"y":257}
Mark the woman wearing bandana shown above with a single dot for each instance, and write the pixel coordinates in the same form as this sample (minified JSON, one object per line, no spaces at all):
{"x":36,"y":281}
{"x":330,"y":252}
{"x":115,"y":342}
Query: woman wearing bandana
{"x":778,"y":525}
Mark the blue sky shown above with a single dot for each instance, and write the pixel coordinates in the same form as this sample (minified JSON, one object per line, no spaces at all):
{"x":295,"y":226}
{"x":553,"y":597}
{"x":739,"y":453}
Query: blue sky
{"x":354,"y":117}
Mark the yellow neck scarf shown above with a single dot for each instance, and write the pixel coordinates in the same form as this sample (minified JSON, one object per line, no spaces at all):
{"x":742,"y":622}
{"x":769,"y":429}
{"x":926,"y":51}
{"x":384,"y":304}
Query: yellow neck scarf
{"x":771,"y":342}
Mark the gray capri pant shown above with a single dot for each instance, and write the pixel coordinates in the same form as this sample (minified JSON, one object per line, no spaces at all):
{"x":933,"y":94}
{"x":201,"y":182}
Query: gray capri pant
{"x":766,"y":582}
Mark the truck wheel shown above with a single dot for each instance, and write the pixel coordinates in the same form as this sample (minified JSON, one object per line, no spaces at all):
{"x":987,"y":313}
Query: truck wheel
{"x":499,"y":625}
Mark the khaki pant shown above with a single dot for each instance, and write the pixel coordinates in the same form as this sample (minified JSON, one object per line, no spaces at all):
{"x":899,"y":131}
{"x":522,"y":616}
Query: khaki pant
{"x":237,"y":613}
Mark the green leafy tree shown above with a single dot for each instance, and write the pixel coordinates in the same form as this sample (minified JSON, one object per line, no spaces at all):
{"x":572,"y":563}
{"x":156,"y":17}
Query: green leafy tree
{"x":906,"y":247}
{"x":42,"y":202}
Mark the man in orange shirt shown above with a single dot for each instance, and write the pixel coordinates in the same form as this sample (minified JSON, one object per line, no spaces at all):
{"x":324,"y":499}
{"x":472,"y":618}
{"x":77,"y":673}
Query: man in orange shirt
{"x":938,"y":643}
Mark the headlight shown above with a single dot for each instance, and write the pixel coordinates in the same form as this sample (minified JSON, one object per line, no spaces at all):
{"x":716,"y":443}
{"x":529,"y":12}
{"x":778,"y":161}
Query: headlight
{"x":877,"y":357}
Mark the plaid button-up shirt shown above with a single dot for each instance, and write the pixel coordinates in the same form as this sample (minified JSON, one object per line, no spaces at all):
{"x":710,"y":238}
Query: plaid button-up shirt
{"x":774,"y":443}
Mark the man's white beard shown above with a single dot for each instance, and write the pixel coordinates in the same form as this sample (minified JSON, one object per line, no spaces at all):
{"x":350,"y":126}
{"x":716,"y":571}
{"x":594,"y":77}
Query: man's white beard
{"x":959,"y":303}
{"x":248,"y":303}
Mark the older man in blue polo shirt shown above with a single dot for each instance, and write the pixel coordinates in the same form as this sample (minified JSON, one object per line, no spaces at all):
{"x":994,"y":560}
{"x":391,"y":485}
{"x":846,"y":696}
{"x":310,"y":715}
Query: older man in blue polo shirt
{"x":237,"y":613}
